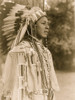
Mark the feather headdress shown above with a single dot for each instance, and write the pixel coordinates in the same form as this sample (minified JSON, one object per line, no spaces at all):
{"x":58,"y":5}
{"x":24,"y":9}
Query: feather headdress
{"x":16,"y":22}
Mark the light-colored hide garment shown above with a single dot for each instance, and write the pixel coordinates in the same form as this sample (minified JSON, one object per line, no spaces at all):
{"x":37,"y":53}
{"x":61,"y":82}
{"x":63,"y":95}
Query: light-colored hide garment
{"x":26,"y":55}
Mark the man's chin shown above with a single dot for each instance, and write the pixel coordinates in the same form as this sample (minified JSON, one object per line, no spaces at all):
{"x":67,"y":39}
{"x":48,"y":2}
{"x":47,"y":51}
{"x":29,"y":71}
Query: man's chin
{"x":42,"y":36}
{"x":45,"y":36}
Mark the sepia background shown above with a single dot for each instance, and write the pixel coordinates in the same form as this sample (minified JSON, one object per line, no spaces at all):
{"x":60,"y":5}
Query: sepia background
{"x":61,"y":42}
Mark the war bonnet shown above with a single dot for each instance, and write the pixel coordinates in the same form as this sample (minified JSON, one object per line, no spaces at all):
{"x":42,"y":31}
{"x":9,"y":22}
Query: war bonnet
{"x":26,"y":15}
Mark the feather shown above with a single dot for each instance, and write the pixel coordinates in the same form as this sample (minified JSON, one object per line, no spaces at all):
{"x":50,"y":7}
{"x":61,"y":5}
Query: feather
{"x":9,"y":44}
{"x":8,"y":39}
{"x":10,"y":23}
{"x":8,"y":29}
{"x":10,"y":35}
{"x":5,"y":26}
{"x":7,"y":32}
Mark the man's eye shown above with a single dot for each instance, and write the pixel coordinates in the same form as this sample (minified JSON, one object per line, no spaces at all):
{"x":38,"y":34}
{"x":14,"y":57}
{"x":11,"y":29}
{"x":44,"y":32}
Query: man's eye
{"x":42,"y":23}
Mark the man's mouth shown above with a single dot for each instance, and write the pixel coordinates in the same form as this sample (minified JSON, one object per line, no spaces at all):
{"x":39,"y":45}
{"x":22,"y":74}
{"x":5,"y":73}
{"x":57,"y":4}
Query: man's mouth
{"x":46,"y":32}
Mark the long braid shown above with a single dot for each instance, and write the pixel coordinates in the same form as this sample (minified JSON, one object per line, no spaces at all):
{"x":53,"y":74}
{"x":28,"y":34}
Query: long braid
{"x":43,"y":74}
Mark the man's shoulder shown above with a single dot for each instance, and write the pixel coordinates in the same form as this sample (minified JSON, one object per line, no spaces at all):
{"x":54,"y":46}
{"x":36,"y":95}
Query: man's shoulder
{"x":21,"y":47}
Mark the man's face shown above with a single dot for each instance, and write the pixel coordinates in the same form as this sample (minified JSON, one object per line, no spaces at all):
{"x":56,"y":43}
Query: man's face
{"x":42,"y":27}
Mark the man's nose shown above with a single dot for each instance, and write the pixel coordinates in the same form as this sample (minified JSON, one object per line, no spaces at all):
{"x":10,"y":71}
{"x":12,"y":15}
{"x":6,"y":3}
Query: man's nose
{"x":47,"y":26}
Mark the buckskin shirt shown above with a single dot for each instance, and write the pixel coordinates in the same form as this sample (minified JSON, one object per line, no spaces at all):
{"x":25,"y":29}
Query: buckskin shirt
{"x":29,"y":75}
